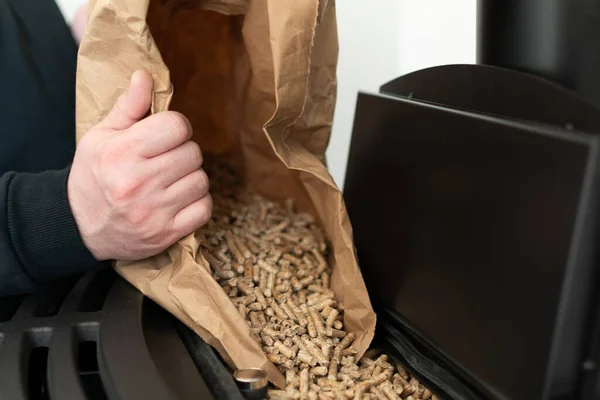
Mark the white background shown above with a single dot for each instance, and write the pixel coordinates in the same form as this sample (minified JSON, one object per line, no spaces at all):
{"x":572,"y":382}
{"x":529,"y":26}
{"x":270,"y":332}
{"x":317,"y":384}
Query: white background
{"x":69,"y":7}
{"x":381,"y":40}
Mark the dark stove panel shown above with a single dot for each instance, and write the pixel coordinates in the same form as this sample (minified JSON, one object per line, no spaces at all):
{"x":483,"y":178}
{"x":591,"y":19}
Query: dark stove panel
{"x":471,"y":228}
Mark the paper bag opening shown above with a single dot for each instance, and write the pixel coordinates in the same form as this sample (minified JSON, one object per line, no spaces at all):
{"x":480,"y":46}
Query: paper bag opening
{"x":257,"y":80}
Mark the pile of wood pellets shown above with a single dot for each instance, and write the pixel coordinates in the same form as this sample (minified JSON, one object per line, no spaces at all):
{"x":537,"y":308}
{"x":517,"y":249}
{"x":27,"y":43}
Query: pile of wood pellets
{"x":271,"y":261}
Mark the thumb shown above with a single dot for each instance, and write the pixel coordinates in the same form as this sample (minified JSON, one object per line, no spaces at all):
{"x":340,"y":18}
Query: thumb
{"x":133,"y":105}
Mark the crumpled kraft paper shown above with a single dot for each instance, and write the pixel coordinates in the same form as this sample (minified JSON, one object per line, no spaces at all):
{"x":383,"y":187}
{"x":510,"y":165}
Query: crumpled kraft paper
{"x":257,"y":80}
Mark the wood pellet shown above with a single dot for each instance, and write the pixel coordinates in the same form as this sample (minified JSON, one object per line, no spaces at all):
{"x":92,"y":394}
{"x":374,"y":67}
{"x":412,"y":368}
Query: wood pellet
{"x":271,"y":261}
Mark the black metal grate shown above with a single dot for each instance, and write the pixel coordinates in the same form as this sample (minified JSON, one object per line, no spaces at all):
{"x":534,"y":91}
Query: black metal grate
{"x":94,"y":338}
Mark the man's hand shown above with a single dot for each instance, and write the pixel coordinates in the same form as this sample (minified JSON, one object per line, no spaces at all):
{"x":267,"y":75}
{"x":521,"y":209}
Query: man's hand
{"x":136,"y":185}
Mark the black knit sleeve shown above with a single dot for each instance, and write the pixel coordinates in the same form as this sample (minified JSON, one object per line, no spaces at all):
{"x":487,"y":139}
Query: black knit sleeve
{"x":39,"y":240}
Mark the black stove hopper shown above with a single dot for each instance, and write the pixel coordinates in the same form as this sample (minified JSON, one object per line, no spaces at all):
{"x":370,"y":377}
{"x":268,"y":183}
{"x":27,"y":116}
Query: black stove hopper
{"x":474,"y":193}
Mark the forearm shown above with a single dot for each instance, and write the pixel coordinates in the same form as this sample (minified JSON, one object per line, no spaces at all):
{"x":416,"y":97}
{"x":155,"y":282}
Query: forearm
{"x":39,"y":240}
{"x":13,"y":278}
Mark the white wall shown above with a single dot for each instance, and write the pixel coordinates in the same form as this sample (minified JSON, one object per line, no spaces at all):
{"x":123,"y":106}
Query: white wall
{"x":436,"y":32}
{"x":379,"y":41}
{"x":369,"y":56}
{"x":68,"y":7}
{"x":389,"y":38}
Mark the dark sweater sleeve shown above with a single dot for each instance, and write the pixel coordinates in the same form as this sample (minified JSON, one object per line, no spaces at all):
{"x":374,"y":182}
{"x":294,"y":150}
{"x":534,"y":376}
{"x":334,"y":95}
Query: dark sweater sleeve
{"x":39,"y":240}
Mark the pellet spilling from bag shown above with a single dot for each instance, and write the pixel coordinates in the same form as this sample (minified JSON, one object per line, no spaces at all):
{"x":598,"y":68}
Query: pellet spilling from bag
{"x":271,"y":261}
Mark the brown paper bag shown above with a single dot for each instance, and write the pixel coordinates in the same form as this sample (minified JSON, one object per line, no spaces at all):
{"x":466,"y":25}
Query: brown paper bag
{"x":257,"y":79}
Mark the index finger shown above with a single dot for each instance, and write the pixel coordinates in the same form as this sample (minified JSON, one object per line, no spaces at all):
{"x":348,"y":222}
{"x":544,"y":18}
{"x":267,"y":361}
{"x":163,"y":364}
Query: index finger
{"x":160,"y":133}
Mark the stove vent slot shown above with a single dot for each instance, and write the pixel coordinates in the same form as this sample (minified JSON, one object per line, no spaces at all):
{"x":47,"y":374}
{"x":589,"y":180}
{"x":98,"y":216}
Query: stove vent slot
{"x":37,"y":367}
{"x":89,"y":374}
{"x":95,"y":294}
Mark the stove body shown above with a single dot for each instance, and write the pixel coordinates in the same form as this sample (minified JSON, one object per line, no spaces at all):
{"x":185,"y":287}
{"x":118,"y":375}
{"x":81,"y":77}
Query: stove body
{"x":473,"y":193}
{"x":476,"y":226}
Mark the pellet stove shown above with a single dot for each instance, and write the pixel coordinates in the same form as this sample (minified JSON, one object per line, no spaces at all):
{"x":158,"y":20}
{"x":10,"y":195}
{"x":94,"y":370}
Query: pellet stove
{"x":474,"y":194}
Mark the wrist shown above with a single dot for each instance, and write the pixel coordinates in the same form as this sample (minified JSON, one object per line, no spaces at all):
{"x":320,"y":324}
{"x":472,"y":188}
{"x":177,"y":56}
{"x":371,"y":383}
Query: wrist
{"x":42,"y":228}
{"x":82,"y":218}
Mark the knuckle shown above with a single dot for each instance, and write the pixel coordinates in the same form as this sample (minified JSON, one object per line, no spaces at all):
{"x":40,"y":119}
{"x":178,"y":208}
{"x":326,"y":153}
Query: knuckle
{"x":179,"y":124}
{"x":138,"y":217}
{"x":155,"y":231}
{"x":157,"y":240}
{"x":195,"y":153}
{"x":130,"y":145}
{"x":203,"y":182}
{"x":123,"y":190}
{"x":119,"y":106}
{"x":120,"y":103}
{"x":206,"y":210}
{"x":161,"y":236}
